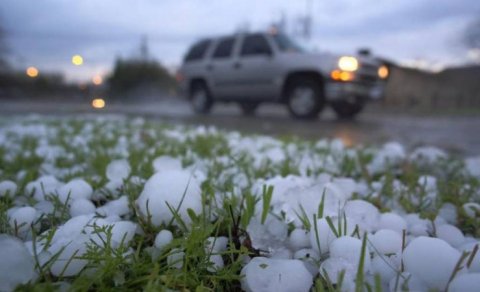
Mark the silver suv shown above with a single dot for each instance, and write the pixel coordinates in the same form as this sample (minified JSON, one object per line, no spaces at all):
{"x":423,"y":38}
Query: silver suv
{"x":254,"y":68}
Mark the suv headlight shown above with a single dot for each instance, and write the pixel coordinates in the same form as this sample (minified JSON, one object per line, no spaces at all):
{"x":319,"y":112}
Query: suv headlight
{"x":347,"y":63}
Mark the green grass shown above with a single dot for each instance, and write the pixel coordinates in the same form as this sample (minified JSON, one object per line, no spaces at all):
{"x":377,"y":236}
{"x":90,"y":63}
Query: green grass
{"x":92,"y":144}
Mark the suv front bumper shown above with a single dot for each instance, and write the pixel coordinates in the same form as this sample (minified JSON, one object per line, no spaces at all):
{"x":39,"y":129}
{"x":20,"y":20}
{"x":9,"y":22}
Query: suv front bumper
{"x":345,"y":90}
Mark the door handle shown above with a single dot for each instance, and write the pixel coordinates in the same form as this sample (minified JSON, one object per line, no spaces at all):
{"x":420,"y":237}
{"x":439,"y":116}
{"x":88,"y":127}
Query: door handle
{"x":237,"y":65}
{"x":209,"y":67}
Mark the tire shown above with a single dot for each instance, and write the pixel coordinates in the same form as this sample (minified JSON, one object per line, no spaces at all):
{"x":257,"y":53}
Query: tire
{"x":248,"y":108}
{"x":305,"y":98}
{"x":200,"y":98}
{"x":347,"y":110}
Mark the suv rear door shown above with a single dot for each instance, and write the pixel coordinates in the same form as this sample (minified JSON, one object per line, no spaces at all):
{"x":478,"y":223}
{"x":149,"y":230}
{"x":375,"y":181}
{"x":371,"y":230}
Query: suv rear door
{"x":256,"y":67}
{"x":220,"y":69}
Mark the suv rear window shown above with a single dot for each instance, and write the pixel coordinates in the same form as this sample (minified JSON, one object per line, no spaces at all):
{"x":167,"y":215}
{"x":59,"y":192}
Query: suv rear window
{"x":224,"y":48}
{"x":255,"y":44}
{"x":197,"y":51}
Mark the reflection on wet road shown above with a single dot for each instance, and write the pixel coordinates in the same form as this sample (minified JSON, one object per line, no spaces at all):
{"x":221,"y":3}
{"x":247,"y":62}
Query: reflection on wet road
{"x":453,"y":133}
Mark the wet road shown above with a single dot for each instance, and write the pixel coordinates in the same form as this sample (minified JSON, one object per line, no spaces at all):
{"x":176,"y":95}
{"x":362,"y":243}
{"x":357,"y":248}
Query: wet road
{"x":458,"y":134}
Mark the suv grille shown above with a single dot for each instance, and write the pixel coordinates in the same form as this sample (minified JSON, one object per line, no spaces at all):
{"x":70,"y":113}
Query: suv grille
{"x":367,"y":73}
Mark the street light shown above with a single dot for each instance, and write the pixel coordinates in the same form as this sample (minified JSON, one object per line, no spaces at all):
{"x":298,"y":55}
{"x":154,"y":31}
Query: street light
{"x":97,"y":80}
{"x":77,"y":60}
{"x":98,"y":103}
{"x":32,"y":72}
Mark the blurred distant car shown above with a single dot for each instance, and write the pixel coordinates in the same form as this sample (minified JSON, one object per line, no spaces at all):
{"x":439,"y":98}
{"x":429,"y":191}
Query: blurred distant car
{"x":254,"y":68}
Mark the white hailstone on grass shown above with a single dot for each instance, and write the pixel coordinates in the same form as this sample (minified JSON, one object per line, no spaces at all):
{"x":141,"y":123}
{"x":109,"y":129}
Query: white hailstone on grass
{"x":448,"y":211}
{"x":465,"y":283}
{"x":8,"y":188}
{"x":216,"y":244}
{"x":406,"y":282}
{"x":332,"y":267}
{"x":67,"y":251}
{"x":416,"y":225}
{"x":282,"y":253}
{"x":81,"y":207}
{"x":75,"y":189}
{"x":471,"y":209}
{"x":473,"y":166}
{"x":346,"y":185}
{"x":322,"y":236}
{"x":298,"y":239}
{"x":175,"y":258}
{"x":392,"y":221}
{"x":428,"y":183}
{"x":386,"y":241}
{"x":175,"y":189}
{"x":469,"y":247}
{"x":45,"y":207}
{"x":117,"y":207}
{"x":350,"y":249}
{"x":385,"y":267}
{"x":451,"y":234}
{"x":268,"y":236}
{"x":427,"y":155}
{"x":113,"y":187}
{"x":22,"y":218}
{"x":73,"y":227}
{"x":432,"y":260}
{"x":262,"y":274}
{"x":17,"y":265}
{"x":44,"y":185}
{"x":363,"y":213}
{"x":216,"y":263}
{"x":136,"y":180}
{"x":118,"y":170}
{"x":166,"y":163}
{"x":163,"y":238}
{"x":122,"y":233}
{"x":310,"y":259}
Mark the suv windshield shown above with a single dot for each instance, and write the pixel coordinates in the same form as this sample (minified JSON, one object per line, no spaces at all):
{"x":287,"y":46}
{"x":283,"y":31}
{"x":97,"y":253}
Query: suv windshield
{"x":286,"y":44}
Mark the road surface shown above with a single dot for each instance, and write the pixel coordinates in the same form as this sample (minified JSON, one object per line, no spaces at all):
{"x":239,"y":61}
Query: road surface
{"x":458,"y":134}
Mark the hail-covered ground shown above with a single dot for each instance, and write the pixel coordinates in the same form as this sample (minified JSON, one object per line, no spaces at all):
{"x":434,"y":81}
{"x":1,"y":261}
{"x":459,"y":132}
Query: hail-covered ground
{"x":116,"y":203}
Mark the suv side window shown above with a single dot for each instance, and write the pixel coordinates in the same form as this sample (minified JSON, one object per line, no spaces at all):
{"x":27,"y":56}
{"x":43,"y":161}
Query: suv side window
{"x":197,"y":51}
{"x":224,"y":48}
{"x":255,"y":44}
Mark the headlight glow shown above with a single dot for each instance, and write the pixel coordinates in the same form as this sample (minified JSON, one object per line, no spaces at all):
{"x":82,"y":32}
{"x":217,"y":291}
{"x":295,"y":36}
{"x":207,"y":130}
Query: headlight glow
{"x":383,"y":72}
{"x":347,"y":63}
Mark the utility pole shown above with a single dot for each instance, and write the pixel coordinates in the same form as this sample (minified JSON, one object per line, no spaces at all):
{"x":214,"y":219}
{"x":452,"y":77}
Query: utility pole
{"x":308,"y":20}
{"x":303,"y":26}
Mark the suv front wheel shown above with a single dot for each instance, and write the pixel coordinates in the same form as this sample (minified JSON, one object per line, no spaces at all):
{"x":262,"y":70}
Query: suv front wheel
{"x":200,"y":98}
{"x":305,"y":98}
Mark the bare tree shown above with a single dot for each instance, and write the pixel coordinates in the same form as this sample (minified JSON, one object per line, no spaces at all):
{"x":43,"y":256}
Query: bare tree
{"x":3,"y":47}
{"x":472,"y":34}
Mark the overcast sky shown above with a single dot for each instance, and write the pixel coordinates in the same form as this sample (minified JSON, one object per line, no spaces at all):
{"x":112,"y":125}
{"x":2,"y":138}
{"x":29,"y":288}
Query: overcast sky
{"x":46,"y":33}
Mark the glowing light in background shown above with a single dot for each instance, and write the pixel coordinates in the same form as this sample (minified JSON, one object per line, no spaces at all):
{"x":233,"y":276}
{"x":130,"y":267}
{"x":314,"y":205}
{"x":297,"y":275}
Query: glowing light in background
{"x":32,"y":72}
{"x":77,"y":60}
{"x":98,"y":103}
{"x":97,"y":80}
{"x":383,"y":72}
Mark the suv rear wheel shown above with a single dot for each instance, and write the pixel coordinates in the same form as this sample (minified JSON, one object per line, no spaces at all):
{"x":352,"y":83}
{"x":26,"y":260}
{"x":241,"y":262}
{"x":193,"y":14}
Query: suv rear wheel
{"x":348,"y":109}
{"x":200,"y":98}
{"x":305,"y":98}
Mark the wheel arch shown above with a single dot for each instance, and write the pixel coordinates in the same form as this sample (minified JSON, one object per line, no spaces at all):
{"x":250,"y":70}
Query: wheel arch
{"x":292,"y":76}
